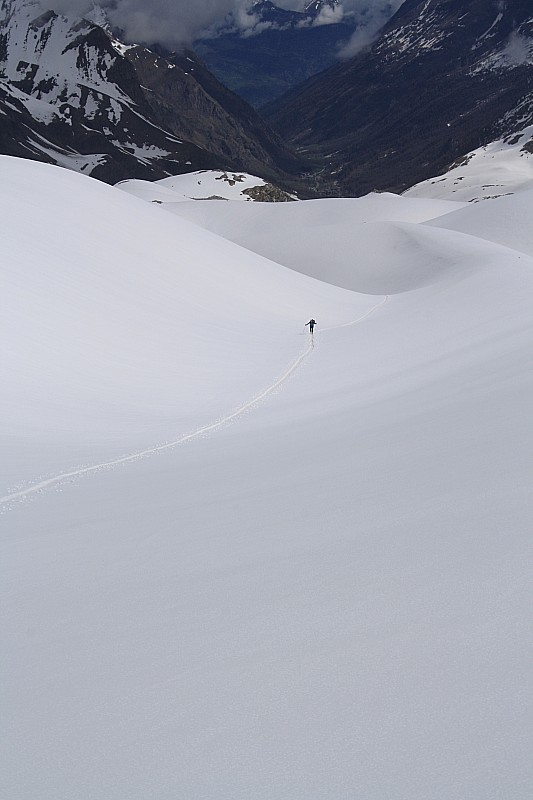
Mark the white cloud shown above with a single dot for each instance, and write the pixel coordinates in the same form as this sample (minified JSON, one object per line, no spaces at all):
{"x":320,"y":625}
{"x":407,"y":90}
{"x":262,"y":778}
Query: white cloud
{"x":370,"y":19}
{"x":172,"y":22}
{"x":330,"y":16}
{"x":519,"y":50}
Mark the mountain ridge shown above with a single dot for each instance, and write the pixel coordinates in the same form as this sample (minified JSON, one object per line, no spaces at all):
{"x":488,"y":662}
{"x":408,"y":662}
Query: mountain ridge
{"x":441,"y":80}
{"x":78,"y":96}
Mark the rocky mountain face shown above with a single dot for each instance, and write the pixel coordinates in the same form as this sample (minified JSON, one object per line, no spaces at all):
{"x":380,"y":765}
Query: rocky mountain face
{"x":189,"y":101}
{"x":278,"y":50}
{"x":444,"y":77}
{"x":72,"y":94}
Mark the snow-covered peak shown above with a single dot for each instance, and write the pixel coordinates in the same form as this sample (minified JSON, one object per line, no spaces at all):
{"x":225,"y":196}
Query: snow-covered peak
{"x":74,"y":98}
{"x":55,"y":58}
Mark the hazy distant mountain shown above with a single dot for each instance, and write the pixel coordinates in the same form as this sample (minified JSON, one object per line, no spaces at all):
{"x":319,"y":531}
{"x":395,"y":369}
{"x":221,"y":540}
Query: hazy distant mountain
{"x":279,"y":50}
{"x":444,"y":77}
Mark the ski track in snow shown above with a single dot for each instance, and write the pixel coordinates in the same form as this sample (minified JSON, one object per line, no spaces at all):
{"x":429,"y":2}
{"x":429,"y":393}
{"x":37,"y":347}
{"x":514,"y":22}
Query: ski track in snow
{"x":64,"y":476}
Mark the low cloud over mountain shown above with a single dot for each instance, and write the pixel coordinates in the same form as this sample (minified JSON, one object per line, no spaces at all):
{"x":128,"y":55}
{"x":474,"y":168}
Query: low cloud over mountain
{"x":174,"y":22}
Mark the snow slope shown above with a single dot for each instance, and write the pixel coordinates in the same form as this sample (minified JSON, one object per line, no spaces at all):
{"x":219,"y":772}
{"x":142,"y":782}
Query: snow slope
{"x":354,"y":243}
{"x":199,"y":185}
{"x":505,"y":220}
{"x":326,"y":598}
{"x":498,"y":169}
{"x":116,"y":346}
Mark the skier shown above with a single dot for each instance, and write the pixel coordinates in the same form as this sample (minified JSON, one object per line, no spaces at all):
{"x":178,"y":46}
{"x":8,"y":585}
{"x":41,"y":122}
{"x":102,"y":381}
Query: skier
{"x":311,"y":323}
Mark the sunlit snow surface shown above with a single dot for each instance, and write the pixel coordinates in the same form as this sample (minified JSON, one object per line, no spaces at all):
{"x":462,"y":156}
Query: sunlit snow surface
{"x":200,"y":185}
{"x":498,"y":169}
{"x":325,"y":597}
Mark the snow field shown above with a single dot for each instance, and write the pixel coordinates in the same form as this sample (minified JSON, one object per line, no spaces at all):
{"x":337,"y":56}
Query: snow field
{"x":328,"y":597}
{"x":505,"y":220}
{"x":125,"y":332}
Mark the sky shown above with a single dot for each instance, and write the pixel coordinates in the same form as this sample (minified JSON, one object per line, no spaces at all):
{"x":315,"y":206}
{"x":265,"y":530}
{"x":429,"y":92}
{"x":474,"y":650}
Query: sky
{"x":174,"y":22}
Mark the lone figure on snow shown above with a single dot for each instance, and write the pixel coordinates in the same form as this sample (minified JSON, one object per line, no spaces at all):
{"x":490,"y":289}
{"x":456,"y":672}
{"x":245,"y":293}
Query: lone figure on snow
{"x":311,"y":323}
